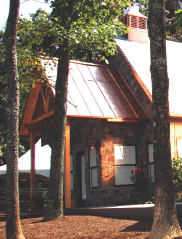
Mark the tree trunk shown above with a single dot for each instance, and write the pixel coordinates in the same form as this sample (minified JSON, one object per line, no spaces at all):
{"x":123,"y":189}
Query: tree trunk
{"x":13,"y":226}
{"x":165,"y":222}
{"x":54,"y":207}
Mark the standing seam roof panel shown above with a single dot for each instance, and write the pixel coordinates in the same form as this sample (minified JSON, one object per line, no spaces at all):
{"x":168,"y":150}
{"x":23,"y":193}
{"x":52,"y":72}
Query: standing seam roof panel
{"x":77,"y":97}
{"x":108,"y":111}
{"x":89,"y":81}
{"x":84,"y":89}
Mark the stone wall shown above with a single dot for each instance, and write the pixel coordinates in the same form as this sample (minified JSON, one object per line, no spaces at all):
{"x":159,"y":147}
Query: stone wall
{"x":94,"y":132}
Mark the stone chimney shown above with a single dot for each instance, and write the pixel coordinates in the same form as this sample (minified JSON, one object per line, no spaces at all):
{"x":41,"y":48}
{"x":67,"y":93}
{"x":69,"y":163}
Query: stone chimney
{"x":137,"y":24}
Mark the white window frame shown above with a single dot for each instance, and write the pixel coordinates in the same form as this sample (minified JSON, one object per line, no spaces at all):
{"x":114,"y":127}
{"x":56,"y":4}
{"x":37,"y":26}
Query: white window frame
{"x":124,"y":162}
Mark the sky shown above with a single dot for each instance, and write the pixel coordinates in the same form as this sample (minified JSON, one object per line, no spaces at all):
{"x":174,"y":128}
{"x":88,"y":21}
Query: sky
{"x":26,"y":7}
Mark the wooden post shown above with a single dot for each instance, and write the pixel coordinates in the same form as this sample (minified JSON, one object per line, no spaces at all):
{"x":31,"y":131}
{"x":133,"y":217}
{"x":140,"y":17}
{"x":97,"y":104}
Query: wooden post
{"x":67,"y":178}
{"x":32,"y":173}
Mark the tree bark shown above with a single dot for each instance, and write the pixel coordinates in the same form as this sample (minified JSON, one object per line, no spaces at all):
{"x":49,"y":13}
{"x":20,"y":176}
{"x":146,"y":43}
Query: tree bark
{"x":13,"y":226}
{"x":54,"y":207}
{"x":165,"y":222}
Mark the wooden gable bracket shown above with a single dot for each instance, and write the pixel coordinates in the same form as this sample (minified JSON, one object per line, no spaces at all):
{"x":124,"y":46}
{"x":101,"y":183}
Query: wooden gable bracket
{"x":46,"y":96}
{"x":42,"y":117}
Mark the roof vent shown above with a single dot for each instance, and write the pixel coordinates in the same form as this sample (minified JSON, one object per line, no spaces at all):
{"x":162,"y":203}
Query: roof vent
{"x":137,"y":24}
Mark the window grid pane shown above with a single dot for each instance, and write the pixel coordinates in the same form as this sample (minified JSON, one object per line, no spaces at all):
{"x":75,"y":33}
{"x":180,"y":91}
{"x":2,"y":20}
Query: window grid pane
{"x":93,"y":168}
{"x":151,"y":173}
{"x":123,"y":174}
{"x":94,"y":178}
{"x":150,"y":153}
{"x":124,"y":155}
{"x":92,"y":153}
{"x":125,"y":161}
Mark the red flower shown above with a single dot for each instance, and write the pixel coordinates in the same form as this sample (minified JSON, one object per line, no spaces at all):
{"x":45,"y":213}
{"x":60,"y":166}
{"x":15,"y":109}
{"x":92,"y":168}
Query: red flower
{"x":136,"y":169}
{"x":143,"y":169}
{"x":132,"y":171}
{"x":140,"y":169}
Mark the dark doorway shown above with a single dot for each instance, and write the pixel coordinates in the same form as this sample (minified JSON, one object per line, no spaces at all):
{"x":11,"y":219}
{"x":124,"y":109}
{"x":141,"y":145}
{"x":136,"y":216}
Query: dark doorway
{"x":80,"y":179}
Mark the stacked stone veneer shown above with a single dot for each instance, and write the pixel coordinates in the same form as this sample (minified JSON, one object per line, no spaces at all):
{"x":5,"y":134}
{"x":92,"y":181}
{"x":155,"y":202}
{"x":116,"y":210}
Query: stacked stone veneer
{"x":103,"y":136}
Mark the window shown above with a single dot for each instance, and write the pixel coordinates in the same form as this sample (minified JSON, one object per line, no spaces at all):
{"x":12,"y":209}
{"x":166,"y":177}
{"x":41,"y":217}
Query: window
{"x":93,"y":168}
{"x":141,"y":23}
{"x":133,"y":21}
{"x":124,"y":162}
{"x":83,"y":178}
{"x":71,"y":170}
{"x":151,"y":163}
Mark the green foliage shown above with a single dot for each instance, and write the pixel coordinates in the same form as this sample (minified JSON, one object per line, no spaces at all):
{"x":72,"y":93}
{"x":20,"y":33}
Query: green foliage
{"x":143,"y":6}
{"x":177,"y":172}
{"x":90,"y":25}
{"x":178,"y":197}
{"x":176,"y":21}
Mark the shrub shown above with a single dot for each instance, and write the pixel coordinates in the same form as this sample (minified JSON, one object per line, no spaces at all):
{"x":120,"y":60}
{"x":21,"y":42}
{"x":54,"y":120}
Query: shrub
{"x":178,"y":197}
{"x":177,"y":172}
{"x":140,"y":180}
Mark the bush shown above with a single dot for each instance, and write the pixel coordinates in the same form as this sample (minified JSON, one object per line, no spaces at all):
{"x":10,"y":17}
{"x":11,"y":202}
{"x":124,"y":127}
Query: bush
{"x":178,"y":197}
{"x":177,"y":172}
{"x":140,"y":180}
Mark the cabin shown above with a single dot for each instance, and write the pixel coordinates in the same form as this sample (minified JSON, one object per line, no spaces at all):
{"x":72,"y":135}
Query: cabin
{"x":105,"y":121}
{"x":109,"y":118}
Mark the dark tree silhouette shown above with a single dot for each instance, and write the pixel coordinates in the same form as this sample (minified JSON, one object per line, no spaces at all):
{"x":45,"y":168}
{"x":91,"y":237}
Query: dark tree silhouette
{"x":13,"y":226}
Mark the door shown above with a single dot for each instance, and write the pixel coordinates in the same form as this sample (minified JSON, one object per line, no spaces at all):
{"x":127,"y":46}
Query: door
{"x":81,"y":179}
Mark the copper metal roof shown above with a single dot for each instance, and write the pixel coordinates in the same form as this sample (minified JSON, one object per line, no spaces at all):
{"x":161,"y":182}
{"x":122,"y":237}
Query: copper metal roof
{"x":97,"y":91}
